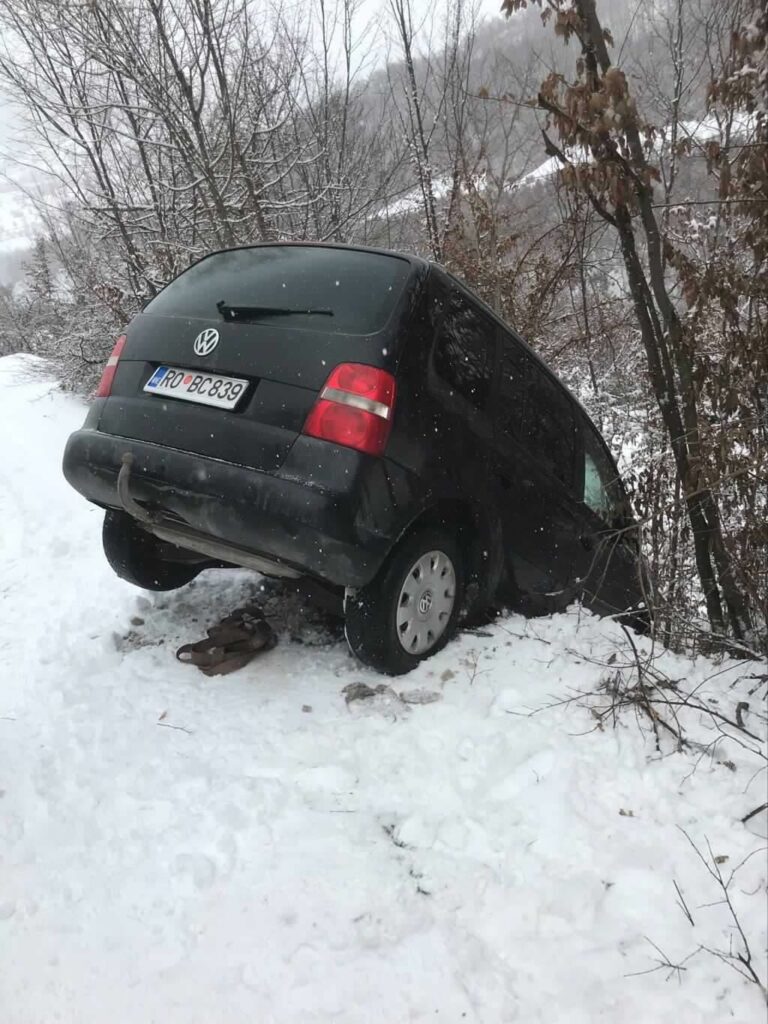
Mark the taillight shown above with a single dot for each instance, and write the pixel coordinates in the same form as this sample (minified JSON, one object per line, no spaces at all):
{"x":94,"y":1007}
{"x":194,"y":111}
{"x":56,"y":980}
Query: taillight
{"x":105,"y":384}
{"x":354,"y":408}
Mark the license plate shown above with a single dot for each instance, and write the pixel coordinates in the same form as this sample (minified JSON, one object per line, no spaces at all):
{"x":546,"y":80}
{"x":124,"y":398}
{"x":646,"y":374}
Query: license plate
{"x":192,"y":386}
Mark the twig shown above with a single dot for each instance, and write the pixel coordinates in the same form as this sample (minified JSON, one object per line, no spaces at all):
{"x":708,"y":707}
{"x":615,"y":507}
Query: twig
{"x":741,"y":962}
{"x":716,"y":715}
{"x":665,"y":962}
{"x":525,"y":636}
{"x":474,"y":667}
{"x":751,"y":814}
{"x":179,"y":728}
{"x":682,"y":904}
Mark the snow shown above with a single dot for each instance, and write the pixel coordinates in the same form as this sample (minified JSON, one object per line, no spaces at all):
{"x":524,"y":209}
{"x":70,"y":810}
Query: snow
{"x":253,"y":849}
{"x":414,"y":200}
{"x":707,"y":128}
{"x":703,"y":130}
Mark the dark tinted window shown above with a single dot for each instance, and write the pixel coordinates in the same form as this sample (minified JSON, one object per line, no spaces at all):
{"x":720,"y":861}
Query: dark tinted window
{"x":361,"y":288}
{"x":464,"y":350}
{"x":513,"y":386}
{"x":536,"y":412}
{"x":549,"y":427}
{"x":603,"y":492}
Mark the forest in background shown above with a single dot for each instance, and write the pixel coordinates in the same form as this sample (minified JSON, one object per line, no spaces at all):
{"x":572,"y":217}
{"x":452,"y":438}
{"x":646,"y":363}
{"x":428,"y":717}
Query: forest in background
{"x":598,"y":174}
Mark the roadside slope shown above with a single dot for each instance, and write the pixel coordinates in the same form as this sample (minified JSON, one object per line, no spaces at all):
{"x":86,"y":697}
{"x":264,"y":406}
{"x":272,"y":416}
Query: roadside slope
{"x":253,"y":849}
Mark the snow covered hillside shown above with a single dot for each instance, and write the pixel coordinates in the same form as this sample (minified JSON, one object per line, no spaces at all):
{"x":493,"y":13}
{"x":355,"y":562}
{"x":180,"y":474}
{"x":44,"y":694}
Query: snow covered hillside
{"x":254,"y":849}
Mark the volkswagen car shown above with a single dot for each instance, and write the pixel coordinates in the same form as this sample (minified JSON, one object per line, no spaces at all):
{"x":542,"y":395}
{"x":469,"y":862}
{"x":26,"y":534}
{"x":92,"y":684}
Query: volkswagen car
{"x":361,"y":418}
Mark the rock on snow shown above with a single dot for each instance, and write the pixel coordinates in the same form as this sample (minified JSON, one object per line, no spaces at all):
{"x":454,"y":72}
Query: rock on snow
{"x":256,"y":849}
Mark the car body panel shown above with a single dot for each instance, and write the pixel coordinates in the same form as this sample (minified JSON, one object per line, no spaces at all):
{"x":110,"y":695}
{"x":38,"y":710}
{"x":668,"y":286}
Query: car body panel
{"x":325,"y":532}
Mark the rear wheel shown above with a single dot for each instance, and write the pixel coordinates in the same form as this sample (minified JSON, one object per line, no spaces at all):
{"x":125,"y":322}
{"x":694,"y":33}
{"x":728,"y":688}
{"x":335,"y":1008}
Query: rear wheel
{"x":137,"y":556}
{"x":410,"y":610}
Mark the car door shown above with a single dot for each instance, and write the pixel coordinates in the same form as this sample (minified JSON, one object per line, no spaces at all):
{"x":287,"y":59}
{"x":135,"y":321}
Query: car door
{"x":609,"y":560}
{"x":534,"y":464}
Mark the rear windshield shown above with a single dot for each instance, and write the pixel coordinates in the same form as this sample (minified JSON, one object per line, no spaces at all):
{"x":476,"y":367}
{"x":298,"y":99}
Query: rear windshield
{"x":359,"y":288}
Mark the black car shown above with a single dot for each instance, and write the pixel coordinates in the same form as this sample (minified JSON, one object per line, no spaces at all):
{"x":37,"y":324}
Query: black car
{"x":359,"y":417}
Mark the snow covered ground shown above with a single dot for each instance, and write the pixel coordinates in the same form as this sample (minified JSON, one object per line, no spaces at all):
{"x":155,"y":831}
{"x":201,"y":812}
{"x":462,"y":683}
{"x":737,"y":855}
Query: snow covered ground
{"x":252,"y":849}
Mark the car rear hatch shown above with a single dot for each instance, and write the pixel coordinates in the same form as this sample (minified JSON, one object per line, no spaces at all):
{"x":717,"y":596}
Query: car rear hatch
{"x":277,"y":318}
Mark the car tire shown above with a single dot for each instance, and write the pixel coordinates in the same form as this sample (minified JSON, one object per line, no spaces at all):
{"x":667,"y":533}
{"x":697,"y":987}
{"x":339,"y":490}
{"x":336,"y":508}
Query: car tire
{"x":134,"y":555}
{"x":372,"y":623}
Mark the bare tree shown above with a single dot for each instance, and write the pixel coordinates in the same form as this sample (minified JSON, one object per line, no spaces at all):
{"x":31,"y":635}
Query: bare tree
{"x":173,"y":129}
{"x":598,"y":116}
{"x":415,"y":122}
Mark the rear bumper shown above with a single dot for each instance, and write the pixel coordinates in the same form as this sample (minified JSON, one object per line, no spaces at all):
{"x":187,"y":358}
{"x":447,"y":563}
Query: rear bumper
{"x":317,"y":532}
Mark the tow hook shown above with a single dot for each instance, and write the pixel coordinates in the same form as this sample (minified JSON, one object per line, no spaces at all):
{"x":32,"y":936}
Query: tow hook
{"x":131,"y":506}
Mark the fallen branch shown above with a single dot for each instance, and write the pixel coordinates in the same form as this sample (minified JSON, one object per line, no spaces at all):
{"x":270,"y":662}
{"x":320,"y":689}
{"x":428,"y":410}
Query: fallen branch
{"x":741,"y":959}
{"x":757,"y":810}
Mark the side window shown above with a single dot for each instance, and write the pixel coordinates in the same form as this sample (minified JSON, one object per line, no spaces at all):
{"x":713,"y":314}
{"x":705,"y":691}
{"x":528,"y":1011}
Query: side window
{"x":548,"y":426}
{"x":513,"y":384}
{"x":464,"y":350}
{"x":602,"y":489}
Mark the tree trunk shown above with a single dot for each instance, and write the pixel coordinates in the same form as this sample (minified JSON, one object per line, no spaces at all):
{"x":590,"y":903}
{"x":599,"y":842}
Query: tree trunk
{"x":667,"y":355}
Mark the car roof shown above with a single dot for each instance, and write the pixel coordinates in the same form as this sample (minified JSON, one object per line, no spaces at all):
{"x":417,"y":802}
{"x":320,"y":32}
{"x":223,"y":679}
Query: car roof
{"x":418,"y":261}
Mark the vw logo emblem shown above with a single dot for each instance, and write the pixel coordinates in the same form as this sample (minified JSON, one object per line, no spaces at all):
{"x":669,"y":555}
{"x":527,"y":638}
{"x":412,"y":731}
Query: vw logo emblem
{"x":206,"y":341}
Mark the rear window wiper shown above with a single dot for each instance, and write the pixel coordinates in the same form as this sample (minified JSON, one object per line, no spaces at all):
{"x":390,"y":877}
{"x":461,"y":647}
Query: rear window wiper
{"x":254,"y":312}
